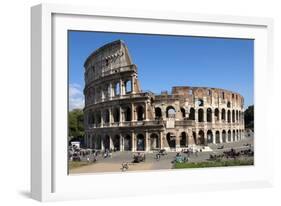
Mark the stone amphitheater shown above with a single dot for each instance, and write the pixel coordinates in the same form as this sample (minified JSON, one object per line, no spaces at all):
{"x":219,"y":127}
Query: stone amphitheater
{"x":119,"y":115}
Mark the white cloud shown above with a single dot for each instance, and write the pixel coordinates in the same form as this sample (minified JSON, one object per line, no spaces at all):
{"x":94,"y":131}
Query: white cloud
{"x":76,"y":97}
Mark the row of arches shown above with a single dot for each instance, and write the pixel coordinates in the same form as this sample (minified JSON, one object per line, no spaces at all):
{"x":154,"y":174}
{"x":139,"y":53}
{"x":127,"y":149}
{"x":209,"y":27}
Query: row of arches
{"x":211,"y":115}
{"x":126,"y":142}
{"x":139,"y":142}
{"x":117,"y":88}
{"x":116,"y":114}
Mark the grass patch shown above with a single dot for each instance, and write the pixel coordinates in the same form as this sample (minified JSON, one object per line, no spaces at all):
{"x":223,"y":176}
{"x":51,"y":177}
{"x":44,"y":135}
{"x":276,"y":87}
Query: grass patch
{"x":222,"y":163}
{"x":76,"y":164}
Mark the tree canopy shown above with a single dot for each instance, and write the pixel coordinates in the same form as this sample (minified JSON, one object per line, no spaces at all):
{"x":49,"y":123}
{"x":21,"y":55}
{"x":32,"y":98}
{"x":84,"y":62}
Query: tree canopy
{"x":76,"y":124}
{"x":249,"y":117}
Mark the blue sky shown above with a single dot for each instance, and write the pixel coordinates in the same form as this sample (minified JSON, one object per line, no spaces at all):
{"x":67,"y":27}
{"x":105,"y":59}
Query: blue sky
{"x":166,"y":61}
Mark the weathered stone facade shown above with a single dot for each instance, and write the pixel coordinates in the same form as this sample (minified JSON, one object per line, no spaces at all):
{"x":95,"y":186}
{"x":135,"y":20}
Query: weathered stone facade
{"x":119,"y":115}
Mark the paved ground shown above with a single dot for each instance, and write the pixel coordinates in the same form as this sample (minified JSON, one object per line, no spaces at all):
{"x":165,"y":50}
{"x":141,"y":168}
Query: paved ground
{"x":113,"y":164}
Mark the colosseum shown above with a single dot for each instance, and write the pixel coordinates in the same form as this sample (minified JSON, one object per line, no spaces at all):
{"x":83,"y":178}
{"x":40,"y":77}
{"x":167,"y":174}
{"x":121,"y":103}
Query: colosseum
{"x":119,"y":115}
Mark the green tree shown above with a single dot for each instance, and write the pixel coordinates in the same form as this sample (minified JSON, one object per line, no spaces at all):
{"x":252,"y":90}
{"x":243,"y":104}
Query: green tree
{"x":76,"y":124}
{"x":249,"y":117}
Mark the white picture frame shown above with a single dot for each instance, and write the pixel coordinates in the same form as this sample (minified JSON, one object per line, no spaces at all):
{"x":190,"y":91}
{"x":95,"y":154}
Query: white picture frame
{"x":49,"y":178}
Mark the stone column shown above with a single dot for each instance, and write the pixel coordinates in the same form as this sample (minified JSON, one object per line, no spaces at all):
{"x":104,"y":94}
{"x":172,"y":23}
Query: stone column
{"x":161,"y":140}
{"x":111,"y":145}
{"x":133,"y":112}
{"x":177,"y":140}
{"x":102,"y":116}
{"x":205,"y":137}
{"x":196,"y":115}
{"x":121,"y":143}
{"x":120,"y":87}
{"x":220,"y":136}
{"x":220,"y":113}
{"x":95,"y":95}
{"x":190,"y":137}
{"x":147,"y":145}
{"x":132,"y":84}
{"x":145,"y":112}
{"x":102,"y":146}
{"x":120,"y":116}
{"x":204,"y":115}
{"x":110,"y":90}
{"x":163,"y":113}
{"x":213,"y":116}
{"x":214,"y":137}
{"x":133,"y":142}
{"x":110,"y":116}
{"x":102,"y":93}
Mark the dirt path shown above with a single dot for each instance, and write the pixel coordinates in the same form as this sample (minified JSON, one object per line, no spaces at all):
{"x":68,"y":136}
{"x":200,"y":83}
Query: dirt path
{"x":110,"y":167}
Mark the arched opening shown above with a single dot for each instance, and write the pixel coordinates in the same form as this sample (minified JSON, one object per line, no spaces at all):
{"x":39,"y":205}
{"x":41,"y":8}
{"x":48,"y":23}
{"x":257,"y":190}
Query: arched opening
{"x":192,"y":114}
{"x":200,"y":102}
{"x":228,"y":104}
{"x":223,"y":114}
{"x":233,"y":116}
{"x":170,"y":112}
{"x":128,"y":86}
{"x":200,"y":115}
{"x":116,"y":142}
{"x":98,"y":114}
{"x":228,"y":116}
{"x":209,"y":115}
{"x":140,"y":142}
{"x":229,"y":135}
{"x":158,"y":113}
{"x":183,"y":112}
{"x":171,"y":139}
{"x":223,"y":136}
{"x":106,"y":142}
{"x":140,"y":113}
{"x":201,"y":139}
{"x":210,"y":137}
{"x":237,"y":119}
{"x":237,"y":135}
{"x":217,"y":113}
{"x":233,"y":135}
{"x":98,"y":142}
{"x":117,"y":89}
{"x":116,"y":115}
{"x":127,"y":143}
{"x":183,"y":140}
{"x":154,"y":141}
{"x":128,"y":114}
{"x":217,"y":137}
{"x":106,"y":116}
{"x":93,"y":145}
{"x":91,"y":118}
